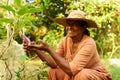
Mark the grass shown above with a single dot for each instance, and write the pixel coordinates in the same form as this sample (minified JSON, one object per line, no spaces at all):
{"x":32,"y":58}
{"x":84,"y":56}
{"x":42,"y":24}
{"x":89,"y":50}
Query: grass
{"x":115,"y":72}
{"x":112,"y":68}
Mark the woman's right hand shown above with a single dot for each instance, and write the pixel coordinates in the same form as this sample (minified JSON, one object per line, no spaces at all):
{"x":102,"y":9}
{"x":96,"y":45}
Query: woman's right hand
{"x":25,"y":47}
{"x":29,"y":49}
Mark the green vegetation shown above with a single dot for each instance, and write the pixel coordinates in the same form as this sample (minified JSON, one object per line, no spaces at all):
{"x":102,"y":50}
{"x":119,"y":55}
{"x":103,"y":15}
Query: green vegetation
{"x":115,"y":71}
{"x":35,"y":20}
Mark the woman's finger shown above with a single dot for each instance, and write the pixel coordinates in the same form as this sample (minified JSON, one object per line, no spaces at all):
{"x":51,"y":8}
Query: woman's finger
{"x":41,"y":42}
{"x":32,"y":43}
{"x":34,"y":46}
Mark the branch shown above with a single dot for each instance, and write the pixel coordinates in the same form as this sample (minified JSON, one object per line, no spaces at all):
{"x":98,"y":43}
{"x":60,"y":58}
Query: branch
{"x":8,"y":70}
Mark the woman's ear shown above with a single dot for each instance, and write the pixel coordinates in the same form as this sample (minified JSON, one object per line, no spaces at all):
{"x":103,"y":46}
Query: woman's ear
{"x":86,"y":31}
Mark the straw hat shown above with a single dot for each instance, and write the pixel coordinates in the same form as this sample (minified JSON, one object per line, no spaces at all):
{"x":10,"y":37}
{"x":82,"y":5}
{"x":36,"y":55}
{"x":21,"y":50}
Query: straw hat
{"x":76,"y":15}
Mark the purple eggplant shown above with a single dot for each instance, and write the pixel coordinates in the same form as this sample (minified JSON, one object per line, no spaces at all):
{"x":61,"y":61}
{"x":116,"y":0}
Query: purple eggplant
{"x":25,"y":38}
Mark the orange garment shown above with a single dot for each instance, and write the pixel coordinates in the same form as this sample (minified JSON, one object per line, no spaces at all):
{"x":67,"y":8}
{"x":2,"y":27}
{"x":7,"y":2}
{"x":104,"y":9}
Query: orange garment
{"x":85,"y":63}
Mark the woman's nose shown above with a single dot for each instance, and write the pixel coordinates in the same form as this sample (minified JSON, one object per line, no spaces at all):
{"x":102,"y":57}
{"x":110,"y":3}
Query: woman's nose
{"x":69,"y":27}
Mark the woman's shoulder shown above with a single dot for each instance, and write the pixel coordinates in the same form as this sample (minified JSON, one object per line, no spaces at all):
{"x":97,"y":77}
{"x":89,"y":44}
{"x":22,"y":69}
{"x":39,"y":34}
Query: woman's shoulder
{"x":88,"y":39}
{"x":62,"y":41}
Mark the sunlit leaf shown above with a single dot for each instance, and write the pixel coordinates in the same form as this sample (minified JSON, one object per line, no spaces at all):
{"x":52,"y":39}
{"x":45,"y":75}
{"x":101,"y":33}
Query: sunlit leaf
{"x":6,"y":20}
{"x":9,"y":8}
{"x":23,"y":10}
{"x":33,"y":10}
{"x":29,"y":18}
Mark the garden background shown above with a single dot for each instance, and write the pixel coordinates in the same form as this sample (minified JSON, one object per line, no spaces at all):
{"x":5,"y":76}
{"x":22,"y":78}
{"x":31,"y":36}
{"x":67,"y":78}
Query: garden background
{"x":34,"y":18}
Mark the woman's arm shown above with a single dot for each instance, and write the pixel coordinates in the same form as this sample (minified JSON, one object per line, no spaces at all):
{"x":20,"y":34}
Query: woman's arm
{"x":48,"y":59}
{"x":60,"y":61}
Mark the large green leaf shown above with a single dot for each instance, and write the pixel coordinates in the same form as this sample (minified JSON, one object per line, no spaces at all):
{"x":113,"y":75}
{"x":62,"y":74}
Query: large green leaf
{"x":6,"y":20}
{"x":23,"y":10}
{"x":9,"y":8}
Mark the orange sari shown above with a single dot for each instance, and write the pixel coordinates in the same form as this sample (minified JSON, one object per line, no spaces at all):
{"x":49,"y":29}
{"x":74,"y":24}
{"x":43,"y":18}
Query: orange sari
{"x":85,"y":63}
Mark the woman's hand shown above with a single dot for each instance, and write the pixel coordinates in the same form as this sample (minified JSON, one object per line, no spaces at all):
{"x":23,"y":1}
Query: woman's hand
{"x":25,"y":45}
{"x":41,"y":46}
{"x":27,"y":49}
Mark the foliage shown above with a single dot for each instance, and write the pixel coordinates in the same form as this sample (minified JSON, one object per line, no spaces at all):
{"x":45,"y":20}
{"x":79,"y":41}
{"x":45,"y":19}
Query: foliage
{"x":115,"y":71}
{"x":2,"y":34}
{"x":17,"y":17}
{"x":35,"y":19}
{"x":54,"y":36}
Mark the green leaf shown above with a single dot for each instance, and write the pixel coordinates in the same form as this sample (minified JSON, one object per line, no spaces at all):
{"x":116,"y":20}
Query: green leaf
{"x":29,"y":19}
{"x":34,"y":10}
{"x":9,"y":8}
{"x":18,"y":3}
{"x":6,"y":20}
{"x":23,"y":10}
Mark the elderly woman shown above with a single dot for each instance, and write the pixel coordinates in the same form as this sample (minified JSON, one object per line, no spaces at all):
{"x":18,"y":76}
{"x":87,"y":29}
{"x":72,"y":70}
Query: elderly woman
{"x":76,"y":57}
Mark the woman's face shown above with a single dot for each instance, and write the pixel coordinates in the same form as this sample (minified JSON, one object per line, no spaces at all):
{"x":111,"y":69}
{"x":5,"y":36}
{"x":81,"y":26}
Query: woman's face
{"x":74,"y":28}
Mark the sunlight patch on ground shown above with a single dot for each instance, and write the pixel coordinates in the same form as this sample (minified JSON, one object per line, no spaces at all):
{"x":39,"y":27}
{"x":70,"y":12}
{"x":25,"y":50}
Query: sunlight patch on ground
{"x":115,"y":61}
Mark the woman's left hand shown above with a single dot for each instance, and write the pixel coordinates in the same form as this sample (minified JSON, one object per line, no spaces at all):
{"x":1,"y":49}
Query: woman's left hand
{"x":41,"y":46}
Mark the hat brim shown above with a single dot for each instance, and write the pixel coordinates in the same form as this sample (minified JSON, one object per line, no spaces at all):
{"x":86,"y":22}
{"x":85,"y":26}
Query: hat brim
{"x":90,"y":23}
